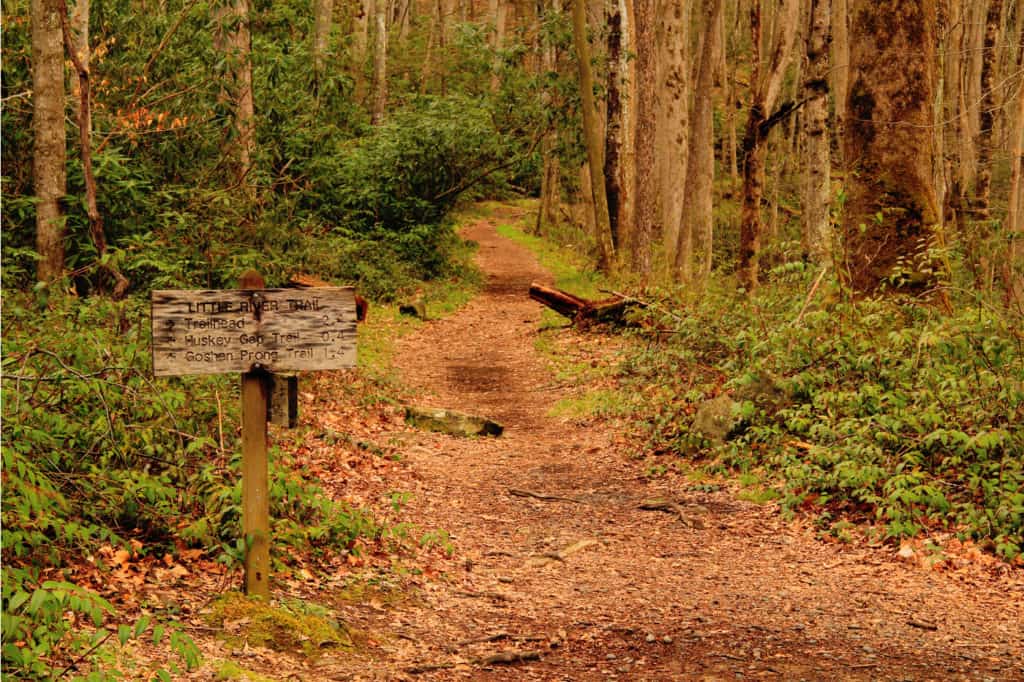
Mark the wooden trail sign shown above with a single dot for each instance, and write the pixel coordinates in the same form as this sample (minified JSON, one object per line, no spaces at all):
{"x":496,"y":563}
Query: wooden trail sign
{"x":254,"y":331}
{"x":278,"y":330}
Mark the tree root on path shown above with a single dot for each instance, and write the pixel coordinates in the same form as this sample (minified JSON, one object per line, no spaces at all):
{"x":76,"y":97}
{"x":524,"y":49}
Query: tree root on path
{"x":508,"y":657}
{"x":673,"y":508}
{"x":497,"y":596}
{"x":519,"y":492}
{"x":561,"y":555}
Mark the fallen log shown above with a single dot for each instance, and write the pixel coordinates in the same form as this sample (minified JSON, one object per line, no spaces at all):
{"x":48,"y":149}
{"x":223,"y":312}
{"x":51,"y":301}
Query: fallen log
{"x":583,"y":312}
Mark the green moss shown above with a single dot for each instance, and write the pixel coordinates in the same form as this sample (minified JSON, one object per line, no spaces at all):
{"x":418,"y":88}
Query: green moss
{"x":373,"y":591}
{"x":292,"y":626}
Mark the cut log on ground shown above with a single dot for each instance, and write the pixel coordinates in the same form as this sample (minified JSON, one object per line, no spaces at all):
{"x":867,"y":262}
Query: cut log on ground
{"x":583,"y":313}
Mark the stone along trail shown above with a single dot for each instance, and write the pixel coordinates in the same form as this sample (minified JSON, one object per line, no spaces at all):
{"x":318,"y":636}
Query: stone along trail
{"x":561,"y":576}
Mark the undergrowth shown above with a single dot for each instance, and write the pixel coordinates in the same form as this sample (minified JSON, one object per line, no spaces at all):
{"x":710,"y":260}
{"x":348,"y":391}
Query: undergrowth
{"x":882,"y":411}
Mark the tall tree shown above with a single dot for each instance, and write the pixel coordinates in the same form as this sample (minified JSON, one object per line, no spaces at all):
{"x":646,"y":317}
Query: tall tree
{"x":360,"y":44}
{"x":50,"y":146}
{"x":840,"y":72}
{"x":698,"y":221}
{"x":232,"y":37}
{"x":648,"y":211}
{"x":619,"y":169}
{"x":550,"y":185}
{"x":380,"y":61}
{"x":765,"y":85}
{"x":989,"y":105}
{"x":816,"y":187}
{"x":592,"y":137}
{"x":499,"y":13}
{"x":892,"y":211}
{"x":1013,"y":269}
{"x":323,"y":11}
{"x":673,"y":121}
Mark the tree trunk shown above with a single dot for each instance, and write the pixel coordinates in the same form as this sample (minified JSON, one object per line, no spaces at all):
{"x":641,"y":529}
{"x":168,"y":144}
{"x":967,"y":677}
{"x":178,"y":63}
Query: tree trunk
{"x":323,"y":12}
{"x":551,"y":190}
{"x":892,"y":212}
{"x":78,"y":50}
{"x":816,"y":189}
{"x":698,"y":219}
{"x":765,"y":88}
{"x":50,"y":146}
{"x":1013,"y":271}
{"x":245,"y":115}
{"x":626,"y":206}
{"x":841,"y":60}
{"x":233,"y":39}
{"x":673,"y":133}
{"x":989,"y":105}
{"x":952,"y":114}
{"x":360,"y":45}
{"x":613,"y":143}
{"x":731,"y":101}
{"x":648,"y":188}
{"x":380,"y":62}
{"x":972,"y":49}
{"x":592,"y":138}
{"x":500,"y":14}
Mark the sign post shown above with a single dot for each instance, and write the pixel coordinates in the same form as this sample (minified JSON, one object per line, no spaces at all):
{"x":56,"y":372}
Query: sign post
{"x":255,"y":479}
{"x":254,"y":331}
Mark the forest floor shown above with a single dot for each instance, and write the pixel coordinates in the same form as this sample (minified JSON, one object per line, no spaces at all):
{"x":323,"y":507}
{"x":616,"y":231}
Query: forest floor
{"x":558,"y":574}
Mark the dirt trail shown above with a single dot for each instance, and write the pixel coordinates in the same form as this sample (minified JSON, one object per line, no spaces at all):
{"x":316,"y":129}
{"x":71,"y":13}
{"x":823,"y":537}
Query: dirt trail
{"x":735,"y":593}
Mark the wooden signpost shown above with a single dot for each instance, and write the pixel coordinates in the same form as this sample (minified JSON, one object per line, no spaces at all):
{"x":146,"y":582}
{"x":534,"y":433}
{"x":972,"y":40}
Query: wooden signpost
{"x":258,"y":333}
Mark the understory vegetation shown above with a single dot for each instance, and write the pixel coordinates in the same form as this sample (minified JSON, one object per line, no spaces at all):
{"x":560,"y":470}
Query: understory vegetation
{"x":884,"y":412}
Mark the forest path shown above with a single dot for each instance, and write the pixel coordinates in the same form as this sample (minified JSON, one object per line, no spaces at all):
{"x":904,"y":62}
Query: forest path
{"x":737,"y":593}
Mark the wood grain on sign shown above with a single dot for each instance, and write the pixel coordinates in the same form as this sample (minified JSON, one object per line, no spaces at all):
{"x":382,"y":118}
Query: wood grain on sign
{"x":278,"y":330}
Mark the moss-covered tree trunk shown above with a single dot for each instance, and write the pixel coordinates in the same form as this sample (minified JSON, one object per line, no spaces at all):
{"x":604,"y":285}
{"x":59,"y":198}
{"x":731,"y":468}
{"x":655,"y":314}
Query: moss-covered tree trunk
{"x":891,"y":214}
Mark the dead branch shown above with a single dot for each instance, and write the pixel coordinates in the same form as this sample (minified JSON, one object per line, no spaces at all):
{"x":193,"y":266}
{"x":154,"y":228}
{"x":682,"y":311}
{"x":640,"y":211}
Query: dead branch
{"x":922,"y":625}
{"x":810,"y":296}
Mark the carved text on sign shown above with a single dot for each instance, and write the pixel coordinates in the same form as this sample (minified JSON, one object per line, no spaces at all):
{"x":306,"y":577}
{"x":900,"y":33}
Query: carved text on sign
{"x":279,"y":330}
